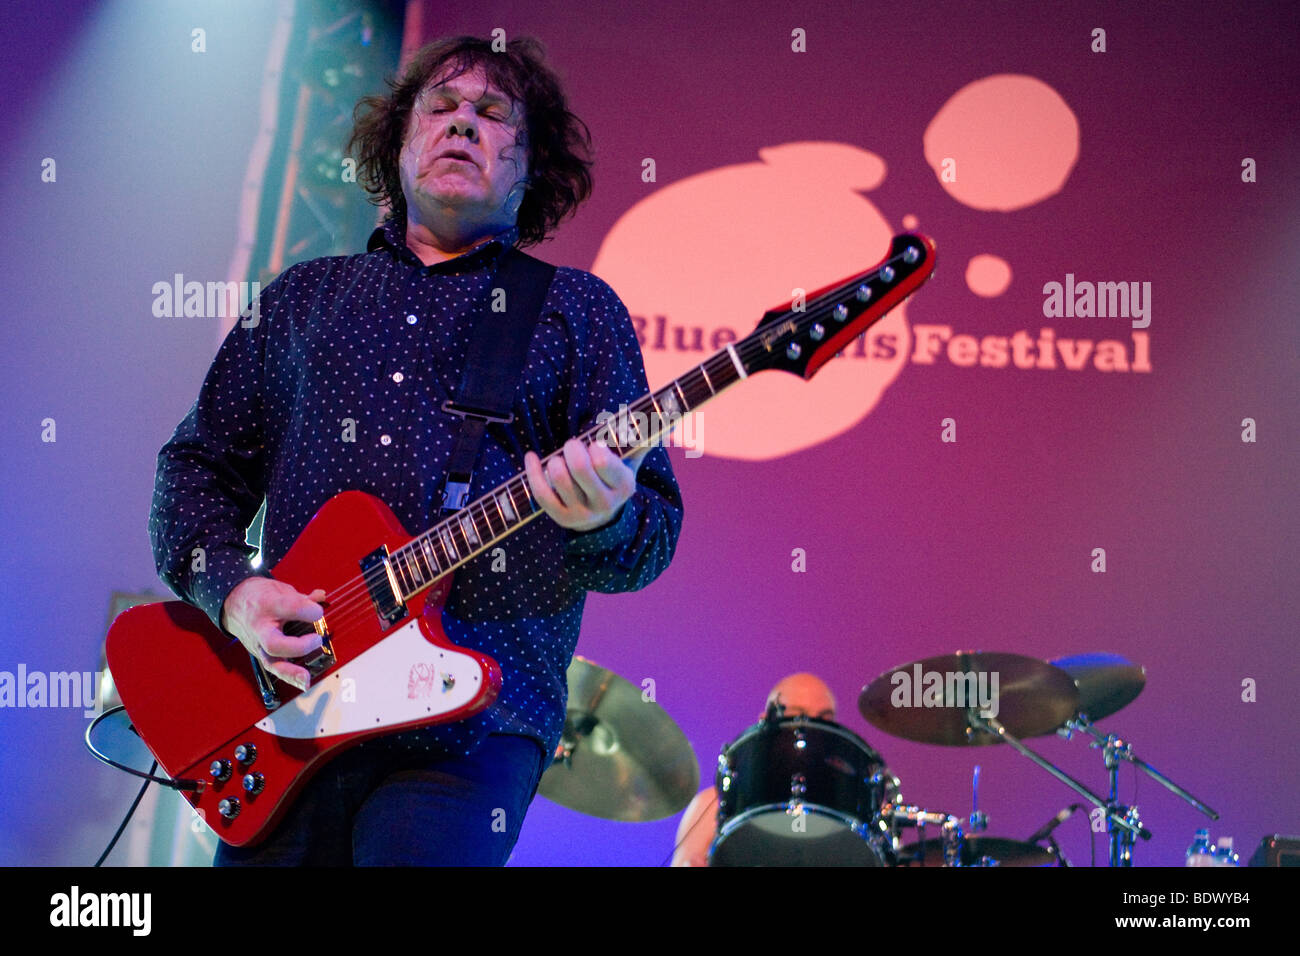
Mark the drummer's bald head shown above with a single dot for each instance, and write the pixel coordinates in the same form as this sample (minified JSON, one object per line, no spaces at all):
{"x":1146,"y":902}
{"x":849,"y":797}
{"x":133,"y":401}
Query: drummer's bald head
{"x":804,"y":695}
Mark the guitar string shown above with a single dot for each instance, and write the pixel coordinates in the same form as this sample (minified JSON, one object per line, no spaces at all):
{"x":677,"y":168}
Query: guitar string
{"x":352,"y":601}
{"x":353,"y":598}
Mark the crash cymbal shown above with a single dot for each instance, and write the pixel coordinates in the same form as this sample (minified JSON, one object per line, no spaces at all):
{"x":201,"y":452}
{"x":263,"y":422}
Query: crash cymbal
{"x":1107,"y":682}
{"x":621,"y":757}
{"x":1006,"y":852}
{"x":927,"y":700}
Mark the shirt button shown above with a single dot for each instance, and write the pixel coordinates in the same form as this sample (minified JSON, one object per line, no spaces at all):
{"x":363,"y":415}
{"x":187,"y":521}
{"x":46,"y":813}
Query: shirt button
{"x":397,"y":377}
{"x":411,"y":320}
{"x":385,"y":440}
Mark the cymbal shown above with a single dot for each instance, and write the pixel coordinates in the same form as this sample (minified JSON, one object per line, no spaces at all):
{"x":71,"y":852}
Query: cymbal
{"x":927,"y":700}
{"x":1006,"y":852}
{"x":1107,"y":682}
{"x":621,"y":757}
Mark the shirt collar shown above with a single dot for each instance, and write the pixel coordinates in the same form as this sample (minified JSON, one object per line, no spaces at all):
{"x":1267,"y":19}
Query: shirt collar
{"x":392,"y":236}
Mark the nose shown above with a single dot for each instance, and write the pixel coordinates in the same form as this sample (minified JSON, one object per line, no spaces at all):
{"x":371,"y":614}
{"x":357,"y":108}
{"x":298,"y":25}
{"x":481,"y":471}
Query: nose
{"x":464,"y":123}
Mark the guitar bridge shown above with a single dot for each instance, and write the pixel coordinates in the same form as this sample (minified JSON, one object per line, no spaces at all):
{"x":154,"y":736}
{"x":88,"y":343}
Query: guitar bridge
{"x":321,"y":658}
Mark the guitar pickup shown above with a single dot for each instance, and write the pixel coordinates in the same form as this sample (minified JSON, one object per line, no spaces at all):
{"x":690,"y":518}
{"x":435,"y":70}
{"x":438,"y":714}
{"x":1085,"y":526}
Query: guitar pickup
{"x":381,"y":584}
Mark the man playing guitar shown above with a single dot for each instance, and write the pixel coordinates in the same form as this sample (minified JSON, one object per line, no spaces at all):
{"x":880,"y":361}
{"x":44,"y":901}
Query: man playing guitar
{"x":340,"y":384}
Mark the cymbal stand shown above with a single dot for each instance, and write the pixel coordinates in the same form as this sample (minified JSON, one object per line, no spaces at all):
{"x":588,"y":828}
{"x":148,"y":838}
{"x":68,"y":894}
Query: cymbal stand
{"x":1124,"y":823}
{"x":1116,"y":750}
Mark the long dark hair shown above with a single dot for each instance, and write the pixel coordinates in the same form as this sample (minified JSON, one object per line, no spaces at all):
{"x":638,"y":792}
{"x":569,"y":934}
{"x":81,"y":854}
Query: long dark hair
{"x":559,"y":144}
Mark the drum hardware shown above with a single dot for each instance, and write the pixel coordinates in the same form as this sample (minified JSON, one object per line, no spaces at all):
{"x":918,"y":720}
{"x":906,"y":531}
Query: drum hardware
{"x":1107,"y":683}
{"x":1036,"y":698}
{"x":978,"y":851}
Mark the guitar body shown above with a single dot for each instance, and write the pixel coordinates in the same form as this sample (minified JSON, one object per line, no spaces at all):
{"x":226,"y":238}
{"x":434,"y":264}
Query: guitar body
{"x":192,"y":695}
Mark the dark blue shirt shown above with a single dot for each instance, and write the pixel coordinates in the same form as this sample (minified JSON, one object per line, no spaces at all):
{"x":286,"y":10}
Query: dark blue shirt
{"x":368,"y":347}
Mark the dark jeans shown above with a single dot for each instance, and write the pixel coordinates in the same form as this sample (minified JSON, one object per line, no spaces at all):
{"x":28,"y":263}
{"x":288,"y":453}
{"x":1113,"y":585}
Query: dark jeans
{"x":378,"y":807}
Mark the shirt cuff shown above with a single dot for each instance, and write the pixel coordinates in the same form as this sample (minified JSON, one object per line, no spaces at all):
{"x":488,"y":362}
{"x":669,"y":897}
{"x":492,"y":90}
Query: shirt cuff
{"x":225,"y":569}
{"x":608,"y":536}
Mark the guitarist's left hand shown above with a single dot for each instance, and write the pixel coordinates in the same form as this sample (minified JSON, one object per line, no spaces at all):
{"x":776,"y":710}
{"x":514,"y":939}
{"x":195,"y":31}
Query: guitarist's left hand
{"x":583,"y":488}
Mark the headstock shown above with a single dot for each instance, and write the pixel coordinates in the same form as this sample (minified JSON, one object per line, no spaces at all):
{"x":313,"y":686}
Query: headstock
{"x":801,"y":342}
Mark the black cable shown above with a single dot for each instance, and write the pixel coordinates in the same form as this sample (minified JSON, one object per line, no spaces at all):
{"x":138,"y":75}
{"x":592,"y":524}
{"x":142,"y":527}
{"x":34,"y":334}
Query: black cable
{"x":182,"y":784}
{"x":127,"y":819}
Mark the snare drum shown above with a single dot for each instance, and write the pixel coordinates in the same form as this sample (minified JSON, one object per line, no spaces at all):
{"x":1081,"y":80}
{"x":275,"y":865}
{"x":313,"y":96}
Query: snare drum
{"x":799,"y":791}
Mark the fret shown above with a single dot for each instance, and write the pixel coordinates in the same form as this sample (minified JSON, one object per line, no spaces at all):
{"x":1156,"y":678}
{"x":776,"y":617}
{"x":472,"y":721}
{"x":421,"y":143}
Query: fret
{"x":488,"y":523}
{"x":612,"y":441}
{"x":412,"y":567}
{"x":631,"y":419}
{"x":445,"y":561}
{"x":655,"y":433}
{"x":458,"y":537}
{"x":483,"y":522}
{"x":686,"y":404}
{"x":506,"y":506}
{"x":412,"y":548}
{"x":404,"y":581}
{"x":705,"y":373}
{"x":527,"y":505}
{"x":671,"y":412}
{"x":434,"y":567}
{"x":448,"y":543}
{"x":469,"y":529}
{"x":735,"y":360}
{"x":724,"y":372}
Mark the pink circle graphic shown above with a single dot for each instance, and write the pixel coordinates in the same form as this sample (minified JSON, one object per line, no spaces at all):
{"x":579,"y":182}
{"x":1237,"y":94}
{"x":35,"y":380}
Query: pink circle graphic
{"x":1003,"y":143}
{"x":988,"y":275}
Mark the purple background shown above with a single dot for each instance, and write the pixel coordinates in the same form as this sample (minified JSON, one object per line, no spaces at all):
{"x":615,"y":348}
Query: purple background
{"x":915,"y":547}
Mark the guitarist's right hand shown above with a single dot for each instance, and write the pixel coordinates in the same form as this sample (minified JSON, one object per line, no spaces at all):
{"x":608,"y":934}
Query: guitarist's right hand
{"x":256,"y":610}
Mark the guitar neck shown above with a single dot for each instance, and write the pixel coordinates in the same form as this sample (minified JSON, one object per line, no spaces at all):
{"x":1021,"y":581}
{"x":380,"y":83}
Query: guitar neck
{"x":487,"y":520}
{"x":798,"y":338}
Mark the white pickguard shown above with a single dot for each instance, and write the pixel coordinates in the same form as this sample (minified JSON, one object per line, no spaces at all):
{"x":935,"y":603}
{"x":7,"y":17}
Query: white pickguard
{"x":400,"y":679}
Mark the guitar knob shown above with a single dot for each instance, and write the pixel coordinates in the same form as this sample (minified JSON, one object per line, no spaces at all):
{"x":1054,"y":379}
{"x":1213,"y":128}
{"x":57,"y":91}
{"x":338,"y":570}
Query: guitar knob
{"x":246,"y":753}
{"x":219,"y":770}
{"x":229,"y":808}
{"x":863,"y":293}
{"x":911,"y":254}
{"x":887,"y":273}
{"x":793,"y":350}
{"x":253,"y":783}
{"x":817,"y":331}
{"x":841,"y":312}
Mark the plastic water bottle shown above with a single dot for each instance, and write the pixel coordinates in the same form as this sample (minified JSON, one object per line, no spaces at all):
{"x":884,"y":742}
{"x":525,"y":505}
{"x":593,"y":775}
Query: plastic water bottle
{"x":1200,"y":853}
{"x":1223,"y":855}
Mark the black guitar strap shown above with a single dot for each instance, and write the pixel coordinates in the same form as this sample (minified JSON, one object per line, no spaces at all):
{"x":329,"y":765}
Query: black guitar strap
{"x":497,"y":350}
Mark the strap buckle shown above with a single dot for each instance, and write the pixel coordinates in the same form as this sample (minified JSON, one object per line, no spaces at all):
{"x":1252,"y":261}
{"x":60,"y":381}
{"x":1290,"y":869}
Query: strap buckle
{"x":467,"y":411}
{"x":454,"y":494}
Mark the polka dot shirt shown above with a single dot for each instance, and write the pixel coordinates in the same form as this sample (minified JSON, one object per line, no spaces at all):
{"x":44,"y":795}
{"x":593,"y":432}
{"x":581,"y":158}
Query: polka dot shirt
{"x":339,"y":385}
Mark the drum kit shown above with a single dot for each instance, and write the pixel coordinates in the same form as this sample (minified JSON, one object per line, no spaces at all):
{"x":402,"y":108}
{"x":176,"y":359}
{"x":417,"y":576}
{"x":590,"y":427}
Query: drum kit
{"x":802,"y":791}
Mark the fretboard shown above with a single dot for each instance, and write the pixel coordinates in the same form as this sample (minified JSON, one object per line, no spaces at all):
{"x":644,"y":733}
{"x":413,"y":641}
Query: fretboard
{"x":487,"y":520}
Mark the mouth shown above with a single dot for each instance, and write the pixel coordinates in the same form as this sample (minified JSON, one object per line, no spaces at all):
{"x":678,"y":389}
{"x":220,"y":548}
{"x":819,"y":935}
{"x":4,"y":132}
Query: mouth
{"x":457,"y":154}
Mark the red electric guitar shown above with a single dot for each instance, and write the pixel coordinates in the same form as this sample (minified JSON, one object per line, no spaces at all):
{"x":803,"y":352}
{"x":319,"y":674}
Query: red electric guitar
{"x":248,"y":742}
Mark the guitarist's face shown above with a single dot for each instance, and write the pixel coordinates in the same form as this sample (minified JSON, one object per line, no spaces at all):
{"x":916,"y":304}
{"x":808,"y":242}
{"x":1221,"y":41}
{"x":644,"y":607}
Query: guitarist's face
{"x":465,"y":157}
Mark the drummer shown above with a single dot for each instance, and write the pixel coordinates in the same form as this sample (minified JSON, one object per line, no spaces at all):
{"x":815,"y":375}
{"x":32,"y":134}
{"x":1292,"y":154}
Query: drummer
{"x":801,"y":695}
